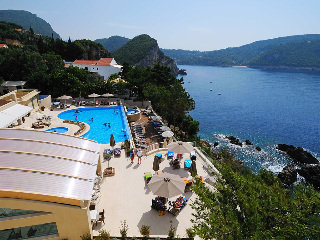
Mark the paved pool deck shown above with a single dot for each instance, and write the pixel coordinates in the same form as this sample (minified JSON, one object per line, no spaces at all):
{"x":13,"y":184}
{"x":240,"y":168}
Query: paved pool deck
{"x":126,"y":196}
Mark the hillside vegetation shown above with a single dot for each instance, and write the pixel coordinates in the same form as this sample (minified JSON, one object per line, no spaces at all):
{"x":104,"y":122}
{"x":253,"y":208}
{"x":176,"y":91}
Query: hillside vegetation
{"x":79,"y":49}
{"x":144,"y":51}
{"x":112,"y":43}
{"x":135,"y":50}
{"x":248,"y":54}
{"x":305,"y":54}
{"x":27,"y":20}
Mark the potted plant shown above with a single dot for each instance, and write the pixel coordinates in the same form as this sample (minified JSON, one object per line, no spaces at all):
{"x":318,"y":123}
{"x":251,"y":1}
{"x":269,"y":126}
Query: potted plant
{"x":145,"y":231}
{"x":124,"y":229}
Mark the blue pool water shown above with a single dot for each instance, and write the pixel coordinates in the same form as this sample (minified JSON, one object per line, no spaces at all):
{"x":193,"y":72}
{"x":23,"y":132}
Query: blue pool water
{"x":267,"y":107}
{"x":98,"y":131}
{"x":58,"y":130}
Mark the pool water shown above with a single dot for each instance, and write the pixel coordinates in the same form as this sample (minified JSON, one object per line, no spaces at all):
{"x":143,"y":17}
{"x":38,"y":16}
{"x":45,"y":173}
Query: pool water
{"x":58,"y":130}
{"x":131,"y":111}
{"x":99,"y":128}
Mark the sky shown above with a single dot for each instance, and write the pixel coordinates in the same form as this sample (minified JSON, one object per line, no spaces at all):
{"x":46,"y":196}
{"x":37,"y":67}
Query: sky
{"x":177,"y":24}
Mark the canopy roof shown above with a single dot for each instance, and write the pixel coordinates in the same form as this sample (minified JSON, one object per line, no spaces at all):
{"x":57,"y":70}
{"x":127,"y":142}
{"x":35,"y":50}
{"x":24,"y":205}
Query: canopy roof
{"x":13,"y":83}
{"x":12,"y":114}
{"x":47,"y":166}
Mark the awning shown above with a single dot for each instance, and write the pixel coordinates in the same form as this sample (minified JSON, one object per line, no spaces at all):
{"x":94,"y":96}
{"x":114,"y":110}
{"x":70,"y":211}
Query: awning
{"x":12,"y":114}
{"x":6,"y":120}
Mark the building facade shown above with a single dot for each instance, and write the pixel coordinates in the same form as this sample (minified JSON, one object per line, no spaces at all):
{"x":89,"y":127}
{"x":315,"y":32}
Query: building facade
{"x":46,"y":184}
{"x":104,"y":67}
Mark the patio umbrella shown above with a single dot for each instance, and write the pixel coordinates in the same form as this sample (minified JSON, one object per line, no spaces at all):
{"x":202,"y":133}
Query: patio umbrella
{"x":165,"y":128}
{"x":107,"y":95}
{"x":167,"y":185}
{"x":112,"y":141}
{"x":156,"y":118}
{"x":180,"y":147}
{"x":193,"y":168}
{"x":167,"y":134}
{"x":65,"y":98}
{"x":155,"y":166}
{"x":94,"y":95}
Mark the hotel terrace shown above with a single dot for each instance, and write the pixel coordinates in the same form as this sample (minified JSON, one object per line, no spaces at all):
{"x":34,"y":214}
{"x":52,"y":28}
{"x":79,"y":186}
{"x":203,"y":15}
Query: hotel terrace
{"x":55,"y":186}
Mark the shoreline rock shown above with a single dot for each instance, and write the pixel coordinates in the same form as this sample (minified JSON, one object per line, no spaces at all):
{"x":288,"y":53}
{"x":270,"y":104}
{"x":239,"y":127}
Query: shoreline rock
{"x":311,"y":174}
{"x":288,"y":175}
{"x":298,"y":154}
{"x":234,"y":140}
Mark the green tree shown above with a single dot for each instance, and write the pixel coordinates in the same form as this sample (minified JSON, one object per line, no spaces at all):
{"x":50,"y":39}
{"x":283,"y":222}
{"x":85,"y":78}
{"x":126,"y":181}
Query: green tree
{"x":249,"y":206}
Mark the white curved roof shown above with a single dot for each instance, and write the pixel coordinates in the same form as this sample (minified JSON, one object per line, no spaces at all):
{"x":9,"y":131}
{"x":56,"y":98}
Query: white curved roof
{"x":47,"y":166}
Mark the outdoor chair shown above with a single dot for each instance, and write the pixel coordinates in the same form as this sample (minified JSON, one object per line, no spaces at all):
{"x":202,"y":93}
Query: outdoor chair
{"x":101,"y":213}
{"x":101,"y":219}
{"x":117,"y":152}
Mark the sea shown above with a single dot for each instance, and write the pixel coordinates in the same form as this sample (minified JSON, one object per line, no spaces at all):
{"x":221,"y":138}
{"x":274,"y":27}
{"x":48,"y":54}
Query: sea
{"x":267,"y":107}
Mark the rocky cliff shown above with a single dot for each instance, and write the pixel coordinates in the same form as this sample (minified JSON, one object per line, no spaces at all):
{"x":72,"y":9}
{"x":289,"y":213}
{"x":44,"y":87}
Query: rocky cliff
{"x":156,"y":55}
{"x":144,"y":51}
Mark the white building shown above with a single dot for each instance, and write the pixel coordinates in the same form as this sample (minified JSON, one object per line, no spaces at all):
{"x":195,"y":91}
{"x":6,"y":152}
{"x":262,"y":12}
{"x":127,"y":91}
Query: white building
{"x":104,"y":67}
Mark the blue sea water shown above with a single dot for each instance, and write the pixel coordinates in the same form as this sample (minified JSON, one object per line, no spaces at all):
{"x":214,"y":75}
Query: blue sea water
{"x":266,"y":107}
{"x":99,"y":131}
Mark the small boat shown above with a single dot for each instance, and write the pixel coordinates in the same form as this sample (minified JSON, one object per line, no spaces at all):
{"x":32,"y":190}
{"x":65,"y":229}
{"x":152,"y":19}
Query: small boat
{"x":219,"y":93}
{"x":211,"y":90}
{"x":210,"y":82}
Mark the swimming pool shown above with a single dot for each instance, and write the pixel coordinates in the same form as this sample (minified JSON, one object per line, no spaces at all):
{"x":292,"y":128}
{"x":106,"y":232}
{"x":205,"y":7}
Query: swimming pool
{"x":58,"y":130}
{"x":99,"y":129}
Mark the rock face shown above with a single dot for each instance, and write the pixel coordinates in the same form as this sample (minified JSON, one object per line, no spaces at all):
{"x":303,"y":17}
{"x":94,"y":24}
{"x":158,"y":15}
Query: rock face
{"x":288,"y":175}
{"x":258,"y":148}
{"x":155,"y":55}
{"x":215,"y":144}
{"x":234,"y":140}
{"x":298,"y":154}
{"x":311,"y":173}
{"x":248,"y":142}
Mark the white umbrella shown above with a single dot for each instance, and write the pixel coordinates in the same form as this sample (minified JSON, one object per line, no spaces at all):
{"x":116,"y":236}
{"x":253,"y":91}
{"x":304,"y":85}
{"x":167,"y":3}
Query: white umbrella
{"x":167,"y":134}
{"x":165,"y":128}
{"x":156,"y":118}
{"x":94,"y":95}
{"x":65,"y":98}
{"x":167,"y":185}
{"x":107,"y":95}
{"x":180,"y":147}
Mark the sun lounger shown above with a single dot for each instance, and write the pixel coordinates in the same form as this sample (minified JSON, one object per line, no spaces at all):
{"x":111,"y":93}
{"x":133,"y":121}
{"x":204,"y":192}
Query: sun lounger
{"x":117,"y":151}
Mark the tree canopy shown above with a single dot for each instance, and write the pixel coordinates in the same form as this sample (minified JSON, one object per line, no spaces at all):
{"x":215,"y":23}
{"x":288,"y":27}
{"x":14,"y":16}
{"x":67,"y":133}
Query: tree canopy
{"x":250,"y":206}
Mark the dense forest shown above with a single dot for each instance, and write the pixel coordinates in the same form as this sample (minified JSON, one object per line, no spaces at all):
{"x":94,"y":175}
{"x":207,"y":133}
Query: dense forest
{"x":248,"y":54}
{"x":27,"y":20}
{"x":112,"y":43}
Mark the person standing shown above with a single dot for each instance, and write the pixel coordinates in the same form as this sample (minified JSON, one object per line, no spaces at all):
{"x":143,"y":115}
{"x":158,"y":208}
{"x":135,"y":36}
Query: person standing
{"x":139,"y":154}
{"x":132,"y":155}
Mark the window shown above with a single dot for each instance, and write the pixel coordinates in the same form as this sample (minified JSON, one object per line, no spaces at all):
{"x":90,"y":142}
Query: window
{"x":86,"y":68}
{"x":8,"y":212}
{"x":97,"y":69}
{"x":38,"y":231}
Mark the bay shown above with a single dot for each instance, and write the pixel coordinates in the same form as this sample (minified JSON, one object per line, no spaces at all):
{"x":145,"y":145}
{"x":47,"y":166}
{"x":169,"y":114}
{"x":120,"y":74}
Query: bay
{"x":264,"y":106}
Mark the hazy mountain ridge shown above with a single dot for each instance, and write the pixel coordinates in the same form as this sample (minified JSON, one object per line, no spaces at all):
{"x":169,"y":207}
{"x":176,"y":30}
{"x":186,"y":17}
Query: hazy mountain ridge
{"x":143,"y":50}
{"x":27,"y":19}
{"x":113,"y":43}
{"x":248,"y":54}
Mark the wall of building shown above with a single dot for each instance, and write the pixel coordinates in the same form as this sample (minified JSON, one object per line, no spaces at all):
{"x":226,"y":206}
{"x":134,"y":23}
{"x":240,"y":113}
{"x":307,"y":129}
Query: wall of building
{"x":104,"y":71}
{"x":72,"y":221}
{"x":45,"y":102}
